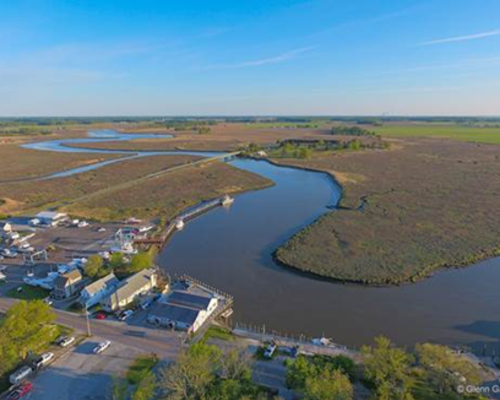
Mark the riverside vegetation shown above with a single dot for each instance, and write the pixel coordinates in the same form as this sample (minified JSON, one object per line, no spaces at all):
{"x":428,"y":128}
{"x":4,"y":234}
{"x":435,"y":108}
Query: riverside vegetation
{"x":384,"y":372}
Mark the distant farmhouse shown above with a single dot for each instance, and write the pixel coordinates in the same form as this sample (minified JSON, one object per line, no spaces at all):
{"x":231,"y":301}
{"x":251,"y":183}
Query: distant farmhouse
{"x":129,"y":289}
{"x":183,"y":310}
{"x":96,"y":291}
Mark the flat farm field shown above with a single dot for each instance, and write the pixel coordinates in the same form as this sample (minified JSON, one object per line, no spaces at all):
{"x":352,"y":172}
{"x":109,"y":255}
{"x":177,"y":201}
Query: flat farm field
{"x":451,"y":131}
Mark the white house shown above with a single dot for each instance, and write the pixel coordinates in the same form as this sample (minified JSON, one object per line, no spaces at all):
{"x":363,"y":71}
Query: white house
{"x":184,"y":310}
{"x":51,"y":218}
{"x":96,"y":291}
{"x":5,"y":227}
{"x":129,"y":289}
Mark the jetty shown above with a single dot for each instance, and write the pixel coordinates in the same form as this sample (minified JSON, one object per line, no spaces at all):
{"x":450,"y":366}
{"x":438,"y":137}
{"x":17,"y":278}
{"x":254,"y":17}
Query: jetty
{"x":179,"y":222}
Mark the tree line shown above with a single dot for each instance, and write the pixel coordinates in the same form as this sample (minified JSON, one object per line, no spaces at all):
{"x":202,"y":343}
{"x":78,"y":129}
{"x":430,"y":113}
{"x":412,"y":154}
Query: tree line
{"x":351,"y":131}
{"x":27,"y":328}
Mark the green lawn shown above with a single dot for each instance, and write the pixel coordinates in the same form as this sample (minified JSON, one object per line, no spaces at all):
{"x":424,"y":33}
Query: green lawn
{"x":28,"y":293}
{"x":459,"y":132}
{"x":215,"y":332}
{"x":140,"y":368}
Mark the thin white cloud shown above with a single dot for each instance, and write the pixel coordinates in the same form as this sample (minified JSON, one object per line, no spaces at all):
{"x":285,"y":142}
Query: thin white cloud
{"x":376,"y":19}
{"x":289,"y":55}
{"x":464,"y":38}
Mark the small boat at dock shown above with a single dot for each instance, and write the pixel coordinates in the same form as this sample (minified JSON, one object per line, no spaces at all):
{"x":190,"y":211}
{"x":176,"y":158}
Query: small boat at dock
{"x":227,"y":200}
{"x":179,"y":224}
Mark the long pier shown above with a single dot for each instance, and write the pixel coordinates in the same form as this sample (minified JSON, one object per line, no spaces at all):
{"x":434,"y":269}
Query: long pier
{"x":187,"y":215}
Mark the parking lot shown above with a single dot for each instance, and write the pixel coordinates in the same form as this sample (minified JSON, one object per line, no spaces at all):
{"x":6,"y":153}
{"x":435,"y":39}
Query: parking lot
{"x":81,"y":374}
{"x":73,"y":241}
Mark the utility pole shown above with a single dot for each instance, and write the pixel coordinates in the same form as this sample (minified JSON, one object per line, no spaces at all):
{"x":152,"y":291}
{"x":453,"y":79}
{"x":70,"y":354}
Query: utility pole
{"x":89,"y":332}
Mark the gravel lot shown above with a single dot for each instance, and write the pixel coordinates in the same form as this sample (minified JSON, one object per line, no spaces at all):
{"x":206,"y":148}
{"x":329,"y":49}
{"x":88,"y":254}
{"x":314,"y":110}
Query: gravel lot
{"x":80,"y":374}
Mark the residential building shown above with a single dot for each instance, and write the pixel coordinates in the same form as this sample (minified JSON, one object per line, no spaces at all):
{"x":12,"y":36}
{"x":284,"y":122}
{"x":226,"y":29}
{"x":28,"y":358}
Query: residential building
{"x":51,"y":218}
{"x":67,"y":285}
{"x":129,"y":289}
{"x":96,"y":291}
{"x":183,"y":310}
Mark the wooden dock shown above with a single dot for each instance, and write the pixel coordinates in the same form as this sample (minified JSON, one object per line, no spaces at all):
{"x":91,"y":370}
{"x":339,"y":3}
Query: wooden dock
{"x":187,"y":215}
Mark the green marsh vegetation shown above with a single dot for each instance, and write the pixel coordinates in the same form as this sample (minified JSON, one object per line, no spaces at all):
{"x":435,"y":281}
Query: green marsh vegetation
{"x":404,"y":213}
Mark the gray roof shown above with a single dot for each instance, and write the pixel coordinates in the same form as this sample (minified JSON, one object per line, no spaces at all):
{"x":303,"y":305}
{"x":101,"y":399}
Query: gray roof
{"x":134,"y":283}
{"x":174,"y":313}
{"x":68,"y":278}
{"x":104,"y":283}
{"x":188,"y":299}
{"x":50,"y":215}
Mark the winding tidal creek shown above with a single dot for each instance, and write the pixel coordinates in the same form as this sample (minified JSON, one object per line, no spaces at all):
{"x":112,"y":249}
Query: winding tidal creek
{"x":231,"y":249}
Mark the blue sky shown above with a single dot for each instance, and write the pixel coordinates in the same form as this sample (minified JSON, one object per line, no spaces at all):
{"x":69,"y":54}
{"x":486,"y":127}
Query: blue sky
{"x":318,"y":57}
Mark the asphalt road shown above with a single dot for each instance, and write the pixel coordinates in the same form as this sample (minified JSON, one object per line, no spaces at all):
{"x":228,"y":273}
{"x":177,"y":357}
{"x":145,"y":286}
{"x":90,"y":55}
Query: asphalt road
{"x":166,"y":344}
{"x":80,"y":374}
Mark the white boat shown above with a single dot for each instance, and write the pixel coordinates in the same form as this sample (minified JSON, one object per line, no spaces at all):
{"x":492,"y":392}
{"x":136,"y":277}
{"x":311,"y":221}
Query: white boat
{"x":146,"y":228}
{"x":227,"y":200}
{"x":179,"y":224}
{"x":323,"y":341}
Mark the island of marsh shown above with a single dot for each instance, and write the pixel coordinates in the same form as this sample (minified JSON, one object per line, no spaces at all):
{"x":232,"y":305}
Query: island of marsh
{"x":406,"y":212}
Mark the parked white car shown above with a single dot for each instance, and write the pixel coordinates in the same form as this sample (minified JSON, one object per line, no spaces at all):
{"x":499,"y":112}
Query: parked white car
{"x":124,"y":315}
{"x":8,"y":253}
{"x":271,"y":348}
{"x":105,"y":255}
{"x":20,"y":375}
{"x":13,"y":235}
{"x":83,"y":224}
{"x":43,"y":360}
{"x":101,"y":347}
{"x":67,"y":341}
{"x":34,"y":222}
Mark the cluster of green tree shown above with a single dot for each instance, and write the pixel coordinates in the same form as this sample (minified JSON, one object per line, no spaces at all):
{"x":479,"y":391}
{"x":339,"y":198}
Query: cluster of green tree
{"x":96,"y":267}
{"x":432,"y":371}
{"x":204,"y":372}
{"x":321,"y":377}
{"x":369,"y":121}
{"x":429,"y":372}
{"x":200,"y":372}
{"x":351,"y":131}
{"x":250,"y":149}
{"x":289,"y":150}
{"x":27,"y":328}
